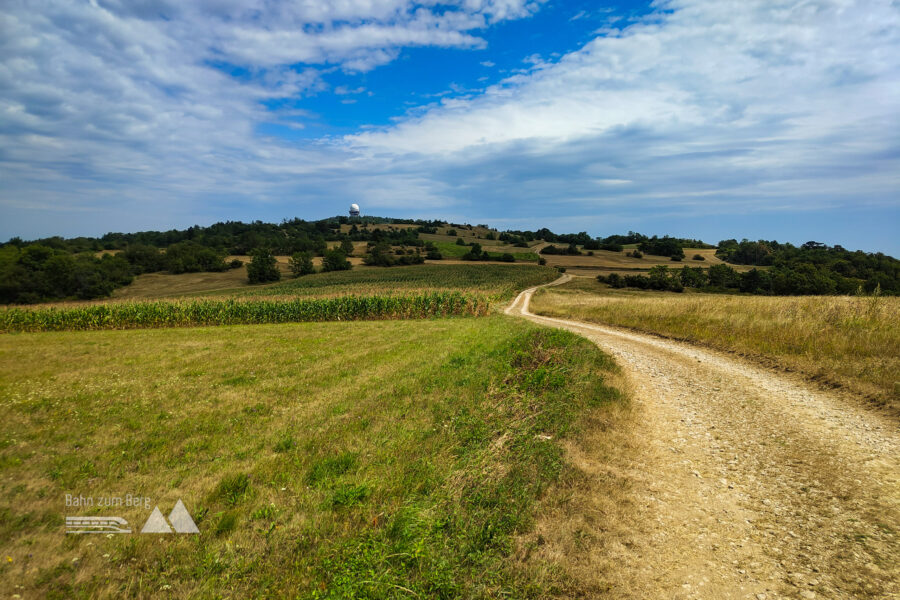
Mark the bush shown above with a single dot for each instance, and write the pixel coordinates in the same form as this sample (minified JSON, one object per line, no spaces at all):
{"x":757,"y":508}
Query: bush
{"x":236,"y":264}
{"x":190,"y":257}
{"x":698,"y":257}
{"x":542,"y":261}
{"x":451,"y":232}
{"x":335,"y":260}
{"x":347,"y":247}
{"x":434,"y":255}
{"x":507,"y":257}
{"x":676,"y":258}
{"x":263,"y":267}
{"x":460,"y":242}
{"x":636,"y":254}
{"x":301,"y":264}
{"x":144,"y":258}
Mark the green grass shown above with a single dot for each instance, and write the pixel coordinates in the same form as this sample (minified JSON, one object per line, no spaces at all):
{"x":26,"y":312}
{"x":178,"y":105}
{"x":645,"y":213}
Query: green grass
{"x":501,"y":280}
{"x":134,"y":315}
{"x":371,"y":459}
{"x":453,"y":250}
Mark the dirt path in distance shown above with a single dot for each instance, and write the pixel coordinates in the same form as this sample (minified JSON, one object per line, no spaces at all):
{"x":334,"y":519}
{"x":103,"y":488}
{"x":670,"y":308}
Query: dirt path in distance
{"x":751,"y":484}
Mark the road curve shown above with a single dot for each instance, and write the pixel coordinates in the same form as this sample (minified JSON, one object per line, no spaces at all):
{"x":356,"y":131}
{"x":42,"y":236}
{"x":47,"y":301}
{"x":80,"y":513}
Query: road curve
{"x":751,"y":484}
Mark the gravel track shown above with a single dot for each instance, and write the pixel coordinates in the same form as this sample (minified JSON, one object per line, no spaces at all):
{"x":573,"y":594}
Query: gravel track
{"x":751,"y":483}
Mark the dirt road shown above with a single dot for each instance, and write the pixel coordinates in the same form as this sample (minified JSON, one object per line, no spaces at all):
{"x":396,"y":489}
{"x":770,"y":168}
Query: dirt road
{"x":751,"y":484}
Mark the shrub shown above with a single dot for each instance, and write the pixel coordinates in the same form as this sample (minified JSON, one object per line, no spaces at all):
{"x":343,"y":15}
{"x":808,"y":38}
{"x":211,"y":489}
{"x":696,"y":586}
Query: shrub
{"x":347,"y":247}
{"x":236,"y":263}
{"x":335,"y":260}
{"x":636,"y":254}
{"x":190,"y":257}
{"x":507,"y":257}
{"x":676,"y":258}
{"x":460,"y":242}
{"x":451,"y":232}
{"x":263,"y":267}
{"x":699,"y":257}
{"x":542,"y":261}
{"x":301,"y":264}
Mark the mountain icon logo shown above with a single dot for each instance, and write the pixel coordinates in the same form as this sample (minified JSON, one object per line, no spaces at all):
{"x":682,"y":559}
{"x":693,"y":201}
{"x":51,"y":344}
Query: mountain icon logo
{"x":180,"y":519}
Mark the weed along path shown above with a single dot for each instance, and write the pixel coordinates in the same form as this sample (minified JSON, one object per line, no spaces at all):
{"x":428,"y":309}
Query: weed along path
{"x":749,"y":483}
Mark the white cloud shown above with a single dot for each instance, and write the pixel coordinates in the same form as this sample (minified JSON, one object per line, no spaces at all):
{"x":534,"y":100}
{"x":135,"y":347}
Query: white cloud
{"x":754,"y":99}
{"x":708,"y":106}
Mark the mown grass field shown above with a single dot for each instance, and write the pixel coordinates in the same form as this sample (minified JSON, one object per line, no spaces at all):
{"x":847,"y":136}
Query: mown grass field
{"x":454,"y":250}
{"x":502,"y":281}
{"x":402,"y":459}
{"x":849,"y":341}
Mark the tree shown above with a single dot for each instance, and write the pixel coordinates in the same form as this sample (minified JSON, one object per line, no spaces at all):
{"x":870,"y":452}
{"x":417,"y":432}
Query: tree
{"x":301,"y":264}
{"x":335,"y":260}
{"x":263,"y":267}
{"x":347,"y":247}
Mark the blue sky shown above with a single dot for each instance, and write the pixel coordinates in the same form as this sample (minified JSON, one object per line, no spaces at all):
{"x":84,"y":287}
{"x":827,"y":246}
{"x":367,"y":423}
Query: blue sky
{"x":714,"y":119}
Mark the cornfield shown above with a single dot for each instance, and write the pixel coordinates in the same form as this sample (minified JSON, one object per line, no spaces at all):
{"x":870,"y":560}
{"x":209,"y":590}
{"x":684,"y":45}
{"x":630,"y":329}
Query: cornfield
{"x":137,"y":315}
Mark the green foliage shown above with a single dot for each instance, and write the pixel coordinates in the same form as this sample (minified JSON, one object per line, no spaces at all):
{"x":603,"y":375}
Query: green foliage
{"x":233,"y":489}
{"x":664,"y":246}
{"x":301,"y":264}
{"x":236,"y":263}
{"x":144,"y":258}
{"x":335,"y":260}
{"x":350,"y":495}
{"x":263,"y":267}
{"x":347,"y":247}
{"x":285,"y":443}
{"x":571,"y":250}
{"x":813,"y":268}
{"x":328,"y":468}
{"x":190,"y":257}
{"x":507,"y":257}
{"x":379,"y":256}
{"x":36,"y":273}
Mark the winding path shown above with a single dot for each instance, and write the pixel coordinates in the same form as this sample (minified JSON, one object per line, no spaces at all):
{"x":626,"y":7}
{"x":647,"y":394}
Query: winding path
{"x":750,"y":484}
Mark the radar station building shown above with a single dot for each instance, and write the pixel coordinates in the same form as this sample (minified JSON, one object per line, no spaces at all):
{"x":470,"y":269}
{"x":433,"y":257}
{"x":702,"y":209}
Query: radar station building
{"x":354,"y":210}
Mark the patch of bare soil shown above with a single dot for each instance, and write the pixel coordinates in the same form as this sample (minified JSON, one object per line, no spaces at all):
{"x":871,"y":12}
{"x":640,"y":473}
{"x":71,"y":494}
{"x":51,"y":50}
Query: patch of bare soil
{"x":749,"y":483}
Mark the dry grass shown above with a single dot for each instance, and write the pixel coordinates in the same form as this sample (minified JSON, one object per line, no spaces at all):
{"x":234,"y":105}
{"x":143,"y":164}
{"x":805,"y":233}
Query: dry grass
{"x":852,"y":342}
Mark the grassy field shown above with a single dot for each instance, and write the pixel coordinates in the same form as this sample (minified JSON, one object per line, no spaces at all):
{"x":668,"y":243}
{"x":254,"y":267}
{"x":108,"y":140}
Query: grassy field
{"x":849,"y":341}
{"x":503,"y":281}
{"x":434,"y":276}
{"x":403,"y":459}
